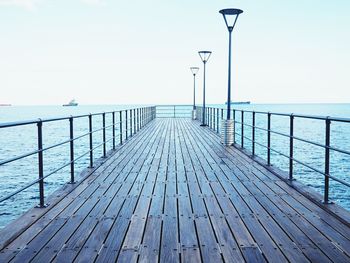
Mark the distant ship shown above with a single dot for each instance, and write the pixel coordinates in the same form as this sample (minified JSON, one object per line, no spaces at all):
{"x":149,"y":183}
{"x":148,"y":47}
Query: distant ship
{"x":71,"y":103}
{"x":239,"y":102}
{"x":5,"y":104}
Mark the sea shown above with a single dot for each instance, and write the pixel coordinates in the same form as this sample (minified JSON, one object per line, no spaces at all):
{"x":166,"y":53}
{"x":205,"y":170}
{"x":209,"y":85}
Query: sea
{"x":16,"y":141}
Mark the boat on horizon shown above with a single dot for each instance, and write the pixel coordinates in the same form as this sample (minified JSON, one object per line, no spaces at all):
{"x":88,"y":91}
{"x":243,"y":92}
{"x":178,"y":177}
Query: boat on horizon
{"x":239,"y":102}
{"x":71,"y":103}
{"x":5,"y":104}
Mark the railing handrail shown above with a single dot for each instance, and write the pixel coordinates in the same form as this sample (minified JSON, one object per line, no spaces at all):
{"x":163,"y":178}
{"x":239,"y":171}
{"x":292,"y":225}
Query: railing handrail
{"x":139,"y":116}
{"x":212,"y":114}
{"x":305,"y":116}
{"x":172,"y":105}
{"x":174,"y":111}
{"x":43,"y":120}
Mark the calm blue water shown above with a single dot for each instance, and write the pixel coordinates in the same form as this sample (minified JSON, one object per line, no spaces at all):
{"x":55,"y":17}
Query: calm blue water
{"x":18,"y":140}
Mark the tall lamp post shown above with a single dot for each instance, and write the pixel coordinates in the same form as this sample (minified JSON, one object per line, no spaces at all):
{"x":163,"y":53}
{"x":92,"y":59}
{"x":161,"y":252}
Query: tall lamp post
{"x":205,"y":55}
{"x":194,"y":71}
{"x":230,"y":16}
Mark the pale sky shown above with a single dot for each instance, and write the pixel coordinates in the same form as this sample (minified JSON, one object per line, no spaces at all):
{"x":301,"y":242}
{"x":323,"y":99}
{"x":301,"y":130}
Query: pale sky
{"x":140,"y":52}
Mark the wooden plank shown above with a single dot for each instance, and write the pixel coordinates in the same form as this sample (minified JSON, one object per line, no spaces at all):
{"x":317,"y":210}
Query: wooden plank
{"x":57,"y":208}
{"x":229,"y":248}
{"x":175,"y":194}
{"x":209,"y":248}
{"x":114,"y":240}
{"x":169,"y":242}
{"x":263,"y":238}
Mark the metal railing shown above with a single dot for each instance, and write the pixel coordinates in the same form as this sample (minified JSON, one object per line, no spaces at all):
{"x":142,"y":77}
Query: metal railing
{"x":214,"y":115}
{"x":174,"y":111}
{"x":130,"y":122}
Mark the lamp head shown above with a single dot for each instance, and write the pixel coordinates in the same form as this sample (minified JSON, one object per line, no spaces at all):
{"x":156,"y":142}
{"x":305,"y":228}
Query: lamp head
{"x":230,"y":16}
{"x":205,"y":55}
{"x":194,"y":70}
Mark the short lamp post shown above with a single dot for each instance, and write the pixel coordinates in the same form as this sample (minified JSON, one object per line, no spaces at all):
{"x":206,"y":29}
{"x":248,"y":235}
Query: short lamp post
{"x":227,"y":126}
{"x":194,"y":71}
{"x":205,"y":55}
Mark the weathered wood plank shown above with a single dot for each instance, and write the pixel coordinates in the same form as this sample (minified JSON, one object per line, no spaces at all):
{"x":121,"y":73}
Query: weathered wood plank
{"x":173,"y":193}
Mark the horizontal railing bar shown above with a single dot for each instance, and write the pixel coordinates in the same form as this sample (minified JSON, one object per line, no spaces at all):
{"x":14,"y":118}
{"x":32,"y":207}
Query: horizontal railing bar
{"x":297,"y":138}
{"x":171,"y":117}
{"x":300,"y":162}
{"x":163,"y":111}
{"x":176,"y":105}
{"x":12,"y":124}
{"x":18,"y":191}
{"x":18,"y":158}
{"x":280,"y":153}
{"x":50,"y":147}
{"x":43,"y":120}
{"x":338,"y":119}
{"x":339,"y":180}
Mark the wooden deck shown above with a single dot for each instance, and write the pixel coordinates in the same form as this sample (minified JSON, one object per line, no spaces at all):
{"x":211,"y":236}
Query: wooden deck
{"x":172,"y":193}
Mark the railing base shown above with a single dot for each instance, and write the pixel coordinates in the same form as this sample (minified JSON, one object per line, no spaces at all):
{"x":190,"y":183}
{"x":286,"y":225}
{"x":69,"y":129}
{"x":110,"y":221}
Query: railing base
{"x":227,"y":132}
{"x":44,"y":206}
{"x":194,"y":115}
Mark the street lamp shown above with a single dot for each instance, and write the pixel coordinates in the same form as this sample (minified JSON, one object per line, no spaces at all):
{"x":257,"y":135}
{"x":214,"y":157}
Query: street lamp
{"x":205,"y":55}
{"x":194,"y":71}
{"x":230,"y":16}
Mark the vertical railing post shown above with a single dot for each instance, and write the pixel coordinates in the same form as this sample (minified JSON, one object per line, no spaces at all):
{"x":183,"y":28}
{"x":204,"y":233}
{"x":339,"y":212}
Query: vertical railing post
{"x":242,"y":129}
{"x":291,"y":145}
{"x":104,"y":133}
{"x":253,"y":133}
{"x":234,"y":126}
{"x":71,"y":143}
{"x":135,"y":128}
{"x":149,"y":114}
{"x":210,"y":118}
{"x":208,"y":123}
{"x":141,"y":117}
{"x":269,"y":138}
{"x":327,"y":160}
{"x":138,"y":119}
{"x":113,"y":120}
{"x":121,"y":126}
{"x":217,"y":120}
{"x":90,"y":140}
{"x":203,"y":115}
{"x":214,"y":119}
{"x":126,"y":124}
{"x":131,"y":123}
{"x":41,"y":164}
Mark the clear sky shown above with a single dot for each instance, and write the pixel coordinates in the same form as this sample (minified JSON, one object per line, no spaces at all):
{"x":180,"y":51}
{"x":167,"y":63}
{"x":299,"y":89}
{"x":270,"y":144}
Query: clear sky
{"x":117,"y":52}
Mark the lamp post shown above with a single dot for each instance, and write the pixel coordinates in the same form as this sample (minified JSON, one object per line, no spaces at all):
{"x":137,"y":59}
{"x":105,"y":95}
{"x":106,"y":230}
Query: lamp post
{"x":194,"y":71}
{"x":205,"y":55}
{"x":230,"y":16}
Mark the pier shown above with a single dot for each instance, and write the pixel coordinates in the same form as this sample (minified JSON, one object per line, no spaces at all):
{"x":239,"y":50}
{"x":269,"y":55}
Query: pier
{"x":171,"y":192}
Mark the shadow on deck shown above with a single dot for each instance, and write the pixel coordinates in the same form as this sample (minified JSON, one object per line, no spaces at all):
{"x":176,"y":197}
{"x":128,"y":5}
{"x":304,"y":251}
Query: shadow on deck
{"x":173,"y":193}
